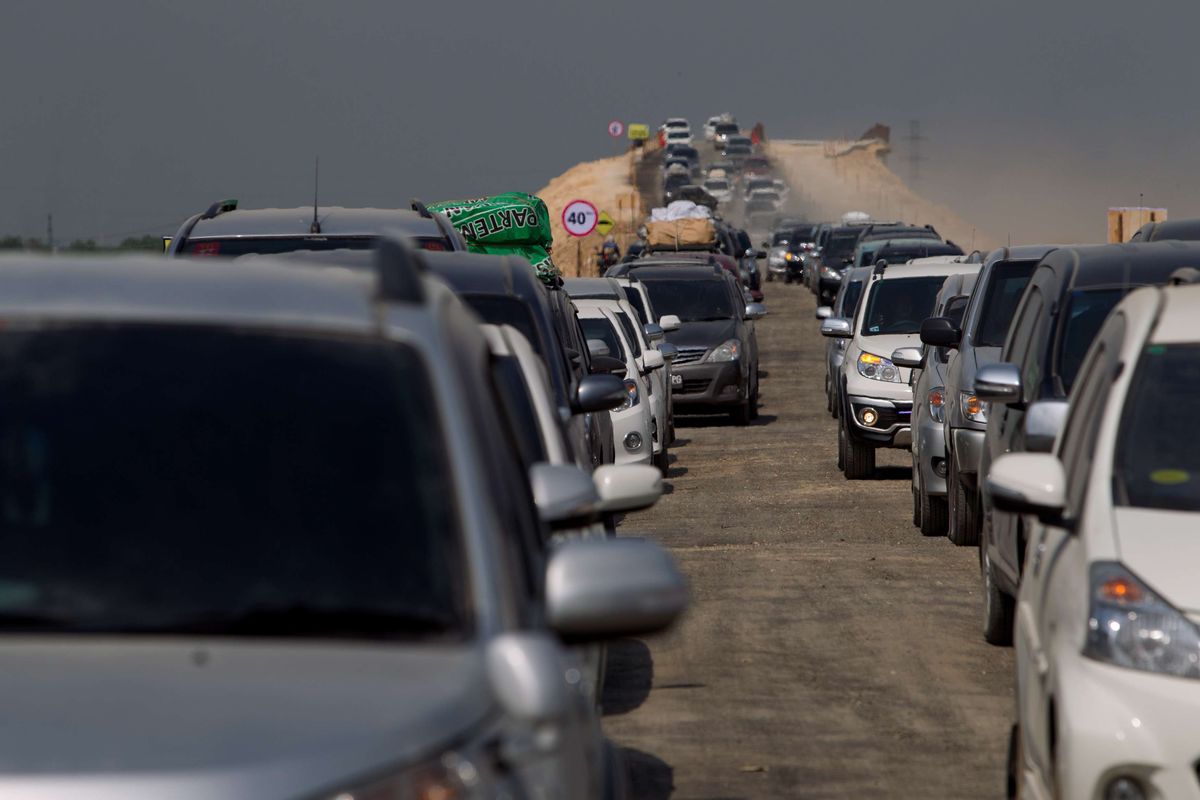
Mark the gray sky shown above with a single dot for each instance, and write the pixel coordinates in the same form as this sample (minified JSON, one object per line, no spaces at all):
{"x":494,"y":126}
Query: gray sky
{"x":123,"y":116}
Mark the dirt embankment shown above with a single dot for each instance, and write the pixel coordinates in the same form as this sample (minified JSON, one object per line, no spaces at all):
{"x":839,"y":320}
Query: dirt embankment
{"x":835,"y":178}
{"x":607,"y":184}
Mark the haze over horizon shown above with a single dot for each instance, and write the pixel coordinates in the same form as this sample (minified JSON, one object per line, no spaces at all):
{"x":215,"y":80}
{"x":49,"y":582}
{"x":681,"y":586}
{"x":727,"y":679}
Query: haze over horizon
{"x":127,"y":116}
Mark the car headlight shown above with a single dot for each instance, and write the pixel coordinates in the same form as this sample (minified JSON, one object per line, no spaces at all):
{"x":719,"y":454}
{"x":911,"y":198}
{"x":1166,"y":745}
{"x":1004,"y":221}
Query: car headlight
{"x":450,"y":777}
{"x":830,"y":274}
{"x":631,"y":395}
{"x":877,"y":368}
{"x":1130,"y":626}
{"x":729,"y":351}
{"x":937,"y":404}
{"x":972,"y":407}
{"x":790,"y":256}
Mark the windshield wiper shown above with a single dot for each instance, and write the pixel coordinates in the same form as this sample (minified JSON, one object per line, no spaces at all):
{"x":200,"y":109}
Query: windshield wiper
{"x":306,"y":621}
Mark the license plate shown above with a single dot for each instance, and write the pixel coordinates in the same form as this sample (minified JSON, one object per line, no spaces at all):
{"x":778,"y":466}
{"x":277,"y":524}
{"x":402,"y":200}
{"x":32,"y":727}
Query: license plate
{"x":677,"y":380}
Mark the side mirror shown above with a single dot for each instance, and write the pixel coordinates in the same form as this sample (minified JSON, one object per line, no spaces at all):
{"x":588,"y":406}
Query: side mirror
{"x":668,"y":350}
{"x":910,"y":357}
{"x":824,"y":312}
{"x":848,"y":260}
{"x":940,"y":332}
{"x":597,"y":347}
{"x":1029,"y":483}
{"x":564,"y":495}
{"x":652,"y":360}
{"x":598,"y":393}
{"x":1043,"y":422}
{"x":627,"y":487}
{"x":653,"y":331}
{"x":755,"y":311}
{"x":999,"y":383}
{"x":608,"y":365}
{"x":600,"y":589}
{"x":837,"y":328}
{"x":669,"y":322}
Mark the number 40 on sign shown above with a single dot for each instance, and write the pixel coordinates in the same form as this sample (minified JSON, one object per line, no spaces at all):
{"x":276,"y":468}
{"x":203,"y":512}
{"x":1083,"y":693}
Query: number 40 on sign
{"x":579,"y":218}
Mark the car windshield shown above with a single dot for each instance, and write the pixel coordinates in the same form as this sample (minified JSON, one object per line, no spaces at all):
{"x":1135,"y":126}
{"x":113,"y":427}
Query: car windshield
{"x":188,"y":480}
{"x":1086,"y":310}
{"x":999,"y":303}
{"x":841,"y":243}
{"x":727,"y":128}
{"x":716,"y":185}
{"x":600,"y":329}
{"x":691,"y":300}
{"x":781,"y":238}
{"x":898,"y":306}
{"x":1156,"y":467}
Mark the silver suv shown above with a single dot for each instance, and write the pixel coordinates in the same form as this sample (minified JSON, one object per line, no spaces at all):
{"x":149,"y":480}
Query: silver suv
{"x":265,"y":537}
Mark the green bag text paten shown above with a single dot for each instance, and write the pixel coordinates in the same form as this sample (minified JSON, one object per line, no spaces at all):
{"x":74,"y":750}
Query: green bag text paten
{"x":513,"y":223}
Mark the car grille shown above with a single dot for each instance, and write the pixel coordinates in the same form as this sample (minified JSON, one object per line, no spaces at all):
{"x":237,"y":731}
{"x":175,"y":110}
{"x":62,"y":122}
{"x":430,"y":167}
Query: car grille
{"x":689,"y":355}
{"x":695,"y":385}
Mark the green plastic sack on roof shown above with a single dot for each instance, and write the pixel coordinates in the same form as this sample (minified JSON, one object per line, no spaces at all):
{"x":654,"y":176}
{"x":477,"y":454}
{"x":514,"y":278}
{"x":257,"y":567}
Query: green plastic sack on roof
{"x":514,"y":223}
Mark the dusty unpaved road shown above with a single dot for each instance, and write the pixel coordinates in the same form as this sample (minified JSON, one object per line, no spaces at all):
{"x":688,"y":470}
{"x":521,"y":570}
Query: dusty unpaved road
{"x":830,"y":650}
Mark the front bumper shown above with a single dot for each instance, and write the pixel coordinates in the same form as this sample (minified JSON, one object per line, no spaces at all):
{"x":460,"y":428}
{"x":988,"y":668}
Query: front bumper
{"x":968,"y":445}
{"x":892,"y":428}
{"x":1116,"y":722}
{"x":632,"y":425}
{"x":931,"y":445}
{"x":708,"y":386}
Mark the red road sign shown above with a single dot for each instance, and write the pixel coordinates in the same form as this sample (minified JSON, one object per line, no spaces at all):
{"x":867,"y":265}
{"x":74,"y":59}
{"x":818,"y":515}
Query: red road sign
{"x":579,"y":218}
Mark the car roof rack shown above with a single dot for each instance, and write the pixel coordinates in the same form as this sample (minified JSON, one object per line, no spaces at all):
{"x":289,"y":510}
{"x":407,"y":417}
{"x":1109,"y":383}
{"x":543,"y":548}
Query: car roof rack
{"x":1184,"y":276}
{"x":398,"y":268}
{"x":441,"y":220}
{"x":880,"y":266}
{"x":220,"y":207}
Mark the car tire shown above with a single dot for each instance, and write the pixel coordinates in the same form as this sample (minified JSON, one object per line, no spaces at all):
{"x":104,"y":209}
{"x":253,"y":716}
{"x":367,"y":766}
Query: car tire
{"x":741,"y":414}
{"x":916,"y":503}
{"x":998,"y":607}
{"x":859,"y":459}
{"x":935,"y":515}
{"x":964,"y":521}
{"x":841,"y":444}
{"x":754,"y":402}
{"x":771,"y":277}
{"x":662,"y":460}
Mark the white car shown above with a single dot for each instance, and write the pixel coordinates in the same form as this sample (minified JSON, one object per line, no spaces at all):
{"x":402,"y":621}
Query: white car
{"x":720,"y":188}
{"x":676,"y":123}
{"x":873,"y":393}
{"x":608,"y":294}
{"x":679,"y":136}
{"x":1107,"y":628}
{"x":633,"y":420}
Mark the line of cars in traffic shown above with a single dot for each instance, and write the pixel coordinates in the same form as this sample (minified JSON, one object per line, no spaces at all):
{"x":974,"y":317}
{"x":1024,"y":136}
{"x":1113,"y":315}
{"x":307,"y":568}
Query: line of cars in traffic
{"x":322,"y":505}
{"x":1042,"y":392}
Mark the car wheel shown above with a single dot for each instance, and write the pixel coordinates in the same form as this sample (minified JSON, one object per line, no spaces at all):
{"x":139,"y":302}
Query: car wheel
{"x":859,"y":459}
{"x":934,"y":515}
{"x":754,"y":402}
{"x":741,"y":414}
{"x":841,"y":458}
{"x":1012,"y":778}
{"x":916,"y":503}
{"x":964,"y":522}
{"x":998,"y":607}
{"x":662,"y":460}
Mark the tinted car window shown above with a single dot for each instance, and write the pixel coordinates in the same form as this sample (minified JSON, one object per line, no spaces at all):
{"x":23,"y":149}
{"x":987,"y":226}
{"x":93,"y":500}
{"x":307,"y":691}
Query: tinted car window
{"x":955,"y":309}
{"x":498,"y":309}
{"x":899,"y":305}
{"x":630,"y":333}
{"x":1008,"y":282}
{"x":194,"y":480}
{"x":850,"y":298}
{"x":519,"y":411}
{"x":690,"y":300}
{"x":1155,"y":466}
{"x":1085,"y":312}
{"x":635,"y":299}
{"x":599,"y":329}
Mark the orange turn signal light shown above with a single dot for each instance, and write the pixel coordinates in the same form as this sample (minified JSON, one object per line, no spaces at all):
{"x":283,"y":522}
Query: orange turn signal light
{"x":1121,"y":590}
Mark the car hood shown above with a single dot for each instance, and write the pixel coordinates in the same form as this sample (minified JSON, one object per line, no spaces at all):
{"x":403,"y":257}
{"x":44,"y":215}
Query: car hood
{"x":1162,"y":548}
{"x":119,"y":718}
{"x":703,"y":334}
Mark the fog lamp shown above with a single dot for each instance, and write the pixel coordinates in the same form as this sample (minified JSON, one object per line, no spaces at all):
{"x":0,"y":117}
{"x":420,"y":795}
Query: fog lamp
{"x":633,"y":441}
{"x":869,"y":417}
{"x":1124,"y":788}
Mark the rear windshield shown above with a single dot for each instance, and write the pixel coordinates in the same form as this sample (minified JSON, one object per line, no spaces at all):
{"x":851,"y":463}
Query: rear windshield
{"x":273,"y":245}
{"x":1086,"y":311}
{"x":163,"y":480}
{"x":691,"y":300}
{"x":899,"y":305}
{"x":841,"y":243}
{"x":1008,"y":282}
{"x":727,"y":127}
{"x":1156,"y":467}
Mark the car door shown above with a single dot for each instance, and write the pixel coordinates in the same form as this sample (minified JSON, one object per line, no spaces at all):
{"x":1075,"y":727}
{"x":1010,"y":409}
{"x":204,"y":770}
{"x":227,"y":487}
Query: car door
{"x":1056,"y":566}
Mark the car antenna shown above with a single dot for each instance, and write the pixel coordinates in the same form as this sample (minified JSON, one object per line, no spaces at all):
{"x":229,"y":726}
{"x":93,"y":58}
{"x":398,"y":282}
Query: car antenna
{"x":315,"y":227}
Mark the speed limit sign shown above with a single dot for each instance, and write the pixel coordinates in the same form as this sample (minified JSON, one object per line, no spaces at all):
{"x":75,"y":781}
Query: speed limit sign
{"x":616,"y":128}
{"x":579,"y":218}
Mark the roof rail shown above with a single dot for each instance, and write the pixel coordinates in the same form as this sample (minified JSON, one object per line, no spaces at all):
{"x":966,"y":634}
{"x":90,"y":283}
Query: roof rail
{"x":399,"y":267}
{"x":880,"y":266}
{"x":1184,"y":276}
{"x":441,"y":220}
{"x":220,"y":207}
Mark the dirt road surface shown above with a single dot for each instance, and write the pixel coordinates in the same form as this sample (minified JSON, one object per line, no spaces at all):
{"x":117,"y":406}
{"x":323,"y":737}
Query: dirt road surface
{"x":830,"y":650}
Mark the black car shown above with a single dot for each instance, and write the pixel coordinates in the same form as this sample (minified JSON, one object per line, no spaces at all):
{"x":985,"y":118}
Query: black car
{"x":1066,"y":301}
{"x":698,"y":195}
{"x":902,"y":252}
{"x":672,"y":183}
{"x":716,"y":368}
{"x":837,"y":248}
{"x":896,"y":230}
{"x":1183,"y":230}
